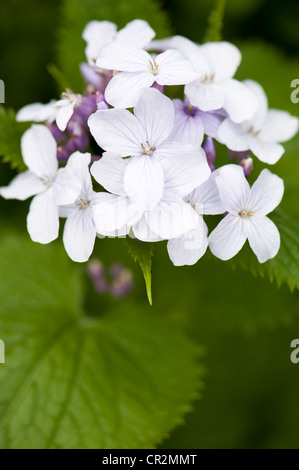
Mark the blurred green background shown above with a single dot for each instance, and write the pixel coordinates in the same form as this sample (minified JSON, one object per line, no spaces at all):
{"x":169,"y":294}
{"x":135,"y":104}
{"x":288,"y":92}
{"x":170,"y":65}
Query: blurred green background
{"x":245,"y":323}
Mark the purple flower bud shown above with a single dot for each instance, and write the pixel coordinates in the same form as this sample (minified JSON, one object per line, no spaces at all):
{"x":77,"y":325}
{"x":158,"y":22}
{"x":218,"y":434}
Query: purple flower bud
{"x":238,"y":156}
{"x":123,"y":283}
{"x":91,"y":76}
{"x":247,"y":164}
{"x":210,"y":150}
{"x":95,"y":269}
{"x":158,"y":87}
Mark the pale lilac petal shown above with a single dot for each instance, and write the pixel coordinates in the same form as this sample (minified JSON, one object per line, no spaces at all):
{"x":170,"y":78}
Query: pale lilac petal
{"x":207,"y":97}
{"x":258,"y":119}
{"x":211,"y":123}
{"x":112,"y":213}
{"x":64,"y":114}
{"x":66,"y":187}
{"x":23,"y":186}
{"x":189,"y":248}
{"x":155,"y":112}
{"x":239,"y":101}
{"x":39,"y":151}
{"x":187,"y":129}
{"x":137,"y":33}
{"x":266,"y":193}
{"x":143,"y":232}
{"x":185,"y":172}
{"x":223,"y":58}
{"x":109,"y":172}
{"x":79,"y":163}
{"x":267,"y":152}
{"x":79,"y":235}
{"x":263,"y":237}
{"x":206,"y":199}
{"x":37,"y":112}
{"x":174,"y":69}
{"x":144,"y":180}
{"x":42,"y":219}
{"x":97,"y":34}
{"x":125,"y":88}
{"x":116,"y":56}
{"x":171,"y":219}
{"x":233,"y":136}
{"x":167,"y":150}
{"x":228,"y":237}
{"x":279,"y":126}
{"x":233,"y":188}
{"x":117,"y":131}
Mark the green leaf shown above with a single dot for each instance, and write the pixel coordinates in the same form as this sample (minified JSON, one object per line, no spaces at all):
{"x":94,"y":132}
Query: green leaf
{"x":10,"y":136}
{"x":122,"y":379}
{"x":143,"y":253}
{"x":76,"y":14}
{"x":284,"y":268}
{"x":215,"y":22}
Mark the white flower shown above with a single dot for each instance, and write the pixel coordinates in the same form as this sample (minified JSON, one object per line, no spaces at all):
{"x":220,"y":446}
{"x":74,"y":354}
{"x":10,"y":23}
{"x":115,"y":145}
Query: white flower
{"x":215,"y":88}
{"x":138,"y":70}
{"x":262,"y":132}
{"x":52,"y":186}
{"x":143,"y":136}
{"x":191,"y":246}
{"x":190,"y":124}
{"x":171,"y":216}
{"x":247,"y":209}
{"x":79,"y":231}
{"x":99,"y":33}
{"x":60,"y":111}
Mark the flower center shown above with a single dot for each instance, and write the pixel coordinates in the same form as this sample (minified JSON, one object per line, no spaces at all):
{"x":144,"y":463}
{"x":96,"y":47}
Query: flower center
{"x":47,"y":182}
{"x":72,"y":97}
{"x":147,"y":149}
{"x":82,"y":203}
{"x":208,"y":78}
{"x":154,"y":67}
{"x":252,"y":131}
{"x":245,"y":214}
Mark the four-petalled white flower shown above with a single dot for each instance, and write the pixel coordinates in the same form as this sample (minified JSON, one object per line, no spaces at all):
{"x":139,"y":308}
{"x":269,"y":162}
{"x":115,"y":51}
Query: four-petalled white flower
{"x":247,"y":214}
{"x":262,"y":132}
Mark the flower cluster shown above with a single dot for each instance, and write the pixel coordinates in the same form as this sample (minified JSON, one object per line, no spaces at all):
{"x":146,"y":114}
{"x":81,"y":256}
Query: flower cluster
{"x":155,"y":167}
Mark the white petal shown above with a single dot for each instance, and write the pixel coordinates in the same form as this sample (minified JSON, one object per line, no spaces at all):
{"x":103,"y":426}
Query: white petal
{"x":97,"y":34}
{"x":223,"y":58}
{"x":79,"y":163}
{"x":171,"y":219}
{"x":64,"y":114}
{"x":169,"y":149}
{"x":109,"y":172}
{"x":114,"y":212}
{"x":116,"y":56}
{"x":258,"y":119}
{"x":124,"y":90}
{"x":79,"y":235}
{"x":211,"y":123}
{"x":42,"y":219}
{"x":263,"y":237}
{"x":137,"y":33}
{"x":187,"y":128}
{"x":174,"y":69}
{"x":206,"y":97}
{"x":39,"y":151}
{"x":117,"y":131}
{"x":144,"y":180}
{"x":233,"y":187}
{"x":67,"y":186}
{"x":189,"y":248}
{"x":155,"y":112}
{"x":206,"y":197}
{"x":143,"y":232}
{"x":279,"y":126}
{"x":266,"y":193}
{"x":37,"y":112}
{"x":23,"y":186}
{"x":267,"y":152}
{"x":233,"y":136}
{"x":185,"y":172}
{"x":239,"y":101}
{"x":228,"y":237}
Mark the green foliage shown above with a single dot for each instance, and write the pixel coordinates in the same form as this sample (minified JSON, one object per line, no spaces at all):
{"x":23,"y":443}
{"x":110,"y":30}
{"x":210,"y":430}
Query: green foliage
{"x":143,"y":253}
{"x":122,"y":379}
{"x":10,"y":136}
{"x":76,"y":14}
{"x":215,"y":23}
